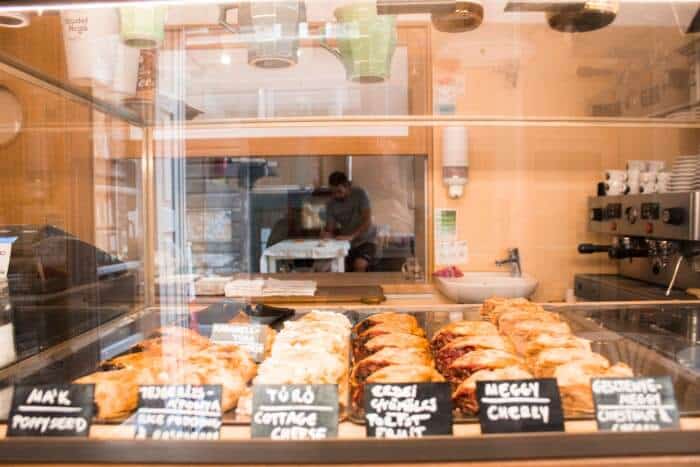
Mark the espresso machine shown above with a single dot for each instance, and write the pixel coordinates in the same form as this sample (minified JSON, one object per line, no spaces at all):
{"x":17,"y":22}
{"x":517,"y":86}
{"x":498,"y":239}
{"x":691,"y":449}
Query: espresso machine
{"x":655,"y":241}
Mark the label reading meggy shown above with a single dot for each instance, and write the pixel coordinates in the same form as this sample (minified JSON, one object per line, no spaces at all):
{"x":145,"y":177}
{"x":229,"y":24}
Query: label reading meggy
{"x":519,"y":406}
{"x":635,"y":404}
{"x":250,"y":337}
{"x":295,"y":411}
{"x":409,"y":410}
{"x":51,"y":410}
{"x":176,"y":412}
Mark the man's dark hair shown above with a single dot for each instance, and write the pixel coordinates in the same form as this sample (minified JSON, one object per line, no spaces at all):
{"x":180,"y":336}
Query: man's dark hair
{"x":338,"y":178}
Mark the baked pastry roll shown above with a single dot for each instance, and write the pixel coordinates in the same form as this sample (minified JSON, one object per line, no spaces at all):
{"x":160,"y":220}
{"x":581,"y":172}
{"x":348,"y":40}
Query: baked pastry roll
{"x":233,"y":358}
{"x":396,"y":374}
{"x":386,"y":357}
{"x":544,"y":363}
{"x":178,"y":332}
{"x":493,"y":308}
{"x":313,"y":338}
{"x":381,"y":329}
{"x":524,"y":331}
{"x":482,"y":359}
{"x":507,"y":320}
{"x":458,"y":329}
{"x":116,"y":392}
{"x":391,"y":318}
{"x":172,"y":345}
{"x":574,"y":380}
{"x":462,"y":346}
{"x":546,"y":340}
{"x":464,"y":397}
{"x":338,"y":319}
{"x":397,"y":340}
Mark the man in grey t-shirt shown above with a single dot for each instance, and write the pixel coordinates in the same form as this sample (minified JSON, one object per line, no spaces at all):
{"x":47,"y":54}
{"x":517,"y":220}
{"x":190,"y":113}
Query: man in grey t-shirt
{"x":349,"y":217}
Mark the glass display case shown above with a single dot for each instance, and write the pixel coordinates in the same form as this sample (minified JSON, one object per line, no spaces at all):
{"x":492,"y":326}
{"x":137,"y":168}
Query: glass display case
{"x":185,"y":181}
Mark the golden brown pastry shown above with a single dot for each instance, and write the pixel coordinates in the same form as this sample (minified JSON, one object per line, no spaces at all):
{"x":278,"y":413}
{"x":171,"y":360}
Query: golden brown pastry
{"x":546,"y":340}
{"x":390,"y":318}
{"x":482,"y":359}
{"x":381,"y":329}
{"x":524,"y":331}
{"x":545,"y":362}
{"x":464,"y":397}
{"x":458,"y":329}
{"x":458,"y":347}
{"x":507,"y":320}
{"x":386,"y":357}
{"x":396,"y":374}
{"x":398,"y":340}
{"x":574,"y":380}
{"x":172,"y":345}
{"x":234,"y":358}
{"x":492,"y":309}
{"x":116,"y":392}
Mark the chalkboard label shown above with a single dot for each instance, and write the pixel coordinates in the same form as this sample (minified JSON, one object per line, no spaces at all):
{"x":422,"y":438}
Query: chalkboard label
{"x":635,"y":404}
{"x":408,"y":410}
{"x":295,"y":411}
{"x":175,"y":412}
{"x":519,"y":406}
{"x":51,"y":410}
{"x":250,"y":337}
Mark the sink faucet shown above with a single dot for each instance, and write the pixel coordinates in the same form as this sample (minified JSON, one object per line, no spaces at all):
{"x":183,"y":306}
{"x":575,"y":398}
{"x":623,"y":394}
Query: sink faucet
{"x":514,"y":261}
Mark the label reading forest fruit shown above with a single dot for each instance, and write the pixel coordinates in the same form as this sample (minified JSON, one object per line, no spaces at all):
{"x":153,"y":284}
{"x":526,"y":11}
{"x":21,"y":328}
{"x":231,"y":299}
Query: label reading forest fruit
{"x":51,"y":410}
{"x":519,"y":406}
{"x":408,"y":410}
{"x":635,"y":404}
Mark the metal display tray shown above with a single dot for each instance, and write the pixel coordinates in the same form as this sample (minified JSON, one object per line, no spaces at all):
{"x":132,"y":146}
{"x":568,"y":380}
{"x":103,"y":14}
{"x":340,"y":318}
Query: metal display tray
{"x":650,"y":350}
{"x":631,"y":334}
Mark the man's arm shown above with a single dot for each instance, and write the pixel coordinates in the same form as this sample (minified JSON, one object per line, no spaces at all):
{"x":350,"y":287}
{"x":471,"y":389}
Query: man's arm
{"x":330,"y":227}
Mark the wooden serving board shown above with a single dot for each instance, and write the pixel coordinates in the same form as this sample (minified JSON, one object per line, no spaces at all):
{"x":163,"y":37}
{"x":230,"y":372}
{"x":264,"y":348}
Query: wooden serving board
{"x":367,"y":294}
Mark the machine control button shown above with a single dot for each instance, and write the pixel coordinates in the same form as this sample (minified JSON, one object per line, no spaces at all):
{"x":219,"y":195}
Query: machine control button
{"x":650,"y":211}
{"x":613,"y":211}
{"x":631,"y":214}
{"x":673,"y":216}
{"x":649,"y":228}
{"x":597,"y":214}
{"x":613,"y":226}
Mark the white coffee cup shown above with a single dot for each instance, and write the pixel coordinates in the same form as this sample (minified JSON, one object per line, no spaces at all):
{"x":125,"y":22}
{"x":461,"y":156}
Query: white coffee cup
{"x":615,"y":175}
{"x":633,"y":187}
{"x":648,"y":188}
{"x":615,"y":188}
{"x":662,"y":188}
{"x":663,"y":177}
{"x":633,"y":175}
{"x":647,"y":177}
{"x":656,"y":166}
{"x":641,"y":166}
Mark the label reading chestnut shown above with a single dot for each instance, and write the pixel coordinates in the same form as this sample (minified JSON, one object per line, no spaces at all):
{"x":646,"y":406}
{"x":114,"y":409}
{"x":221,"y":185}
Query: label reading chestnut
{"x":519,"y":406}
{"x":295,"y":411}
{"x":176,"y":412}
{"x":51,"y":410}
{"x":635,"y":404}
{"x":408,"y":410}
{"x":250,"y":337}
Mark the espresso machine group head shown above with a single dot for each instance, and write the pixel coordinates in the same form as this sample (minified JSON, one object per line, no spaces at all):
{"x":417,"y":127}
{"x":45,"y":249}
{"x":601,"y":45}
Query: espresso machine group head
{"x":654,"y":238}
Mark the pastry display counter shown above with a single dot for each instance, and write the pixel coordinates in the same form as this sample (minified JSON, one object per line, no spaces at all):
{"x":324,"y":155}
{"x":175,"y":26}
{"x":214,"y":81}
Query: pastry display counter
{"x":620,"y":333}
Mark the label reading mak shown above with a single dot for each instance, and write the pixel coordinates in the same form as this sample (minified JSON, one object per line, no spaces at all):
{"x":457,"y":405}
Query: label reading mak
{"x":519,"y":406}
{"x":635,"y":404}
{"x":176,"y":412}
{"x":408,"y":410}
{"x":250,"y":337}
{"x":295,"y":411}
{"x":51,"y":410}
